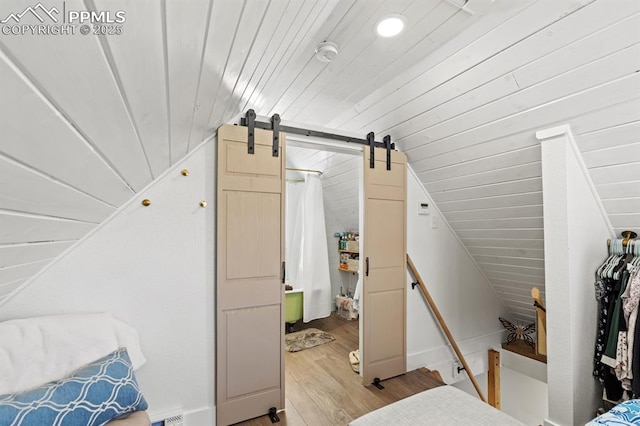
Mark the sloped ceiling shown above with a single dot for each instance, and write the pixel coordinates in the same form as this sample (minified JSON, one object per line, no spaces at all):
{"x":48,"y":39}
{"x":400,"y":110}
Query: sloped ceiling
{"x":340,"y":180}
{"x":89,"y":120}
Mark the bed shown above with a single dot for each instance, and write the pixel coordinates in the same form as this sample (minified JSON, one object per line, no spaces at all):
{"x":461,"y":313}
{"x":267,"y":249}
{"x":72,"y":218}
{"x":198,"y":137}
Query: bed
{"x":444,"y":405}
{"x":69,"y":370}
{"x":626,"y":413}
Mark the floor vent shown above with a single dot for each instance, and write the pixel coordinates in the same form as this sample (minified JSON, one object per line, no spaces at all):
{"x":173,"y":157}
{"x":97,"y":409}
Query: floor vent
{"x":175,"y":420}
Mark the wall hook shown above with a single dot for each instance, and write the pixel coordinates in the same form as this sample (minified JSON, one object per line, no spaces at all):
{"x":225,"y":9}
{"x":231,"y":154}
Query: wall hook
{"x":146,"y":202}
{"x":184,"y":172}
{"x":203,"y":203}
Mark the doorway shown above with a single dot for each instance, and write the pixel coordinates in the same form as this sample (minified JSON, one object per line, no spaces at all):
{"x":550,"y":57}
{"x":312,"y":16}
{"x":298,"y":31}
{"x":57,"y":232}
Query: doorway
{"x":334,"y":310}
{"x":322,"y":228}
{"x":250,"y":311}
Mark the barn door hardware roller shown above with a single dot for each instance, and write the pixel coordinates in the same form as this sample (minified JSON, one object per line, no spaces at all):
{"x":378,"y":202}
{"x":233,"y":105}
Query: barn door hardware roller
{"x":251,"y":125}
{"x":386,"y":144}
{"x":250,"y":121}
{"x":274,"y":125}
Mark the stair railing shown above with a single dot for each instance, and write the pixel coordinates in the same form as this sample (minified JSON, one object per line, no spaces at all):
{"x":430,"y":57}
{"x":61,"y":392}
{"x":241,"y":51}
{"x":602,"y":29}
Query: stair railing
{"x":444,"y":327}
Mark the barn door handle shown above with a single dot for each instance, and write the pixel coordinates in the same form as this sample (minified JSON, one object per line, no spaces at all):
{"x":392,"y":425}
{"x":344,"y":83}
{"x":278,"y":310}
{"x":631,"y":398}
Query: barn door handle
{"x":366,"y":262}
{"x":283,"y":271}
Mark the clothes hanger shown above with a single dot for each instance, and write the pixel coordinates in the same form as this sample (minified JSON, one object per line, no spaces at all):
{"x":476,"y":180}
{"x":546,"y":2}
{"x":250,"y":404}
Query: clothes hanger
{"x":600,"y":271}
{"x":628,"y":257}
{"x":605,"y":270}
{"x":612,"y":268}
{"x":625,"y":259}
{"x":635,"y":263}
{"x":622,"y":265}
{"x":615,"y":262}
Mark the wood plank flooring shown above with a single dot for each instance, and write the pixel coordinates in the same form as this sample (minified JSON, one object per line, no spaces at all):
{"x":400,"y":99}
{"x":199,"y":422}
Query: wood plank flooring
{"x":322,"y":389}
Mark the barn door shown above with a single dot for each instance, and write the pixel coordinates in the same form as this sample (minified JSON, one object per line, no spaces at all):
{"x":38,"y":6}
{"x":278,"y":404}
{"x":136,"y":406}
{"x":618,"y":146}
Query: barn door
{"x":384,"y":285}
{"x":250,"y":293}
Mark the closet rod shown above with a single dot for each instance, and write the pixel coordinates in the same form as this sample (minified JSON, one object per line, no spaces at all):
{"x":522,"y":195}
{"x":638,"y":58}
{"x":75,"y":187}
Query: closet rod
{"x":625,"y":242}
{"x":628,"y":237}
{"x":304,"y":170}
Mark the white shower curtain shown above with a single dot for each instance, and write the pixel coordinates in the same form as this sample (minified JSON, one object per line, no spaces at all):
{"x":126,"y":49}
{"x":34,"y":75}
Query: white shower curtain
{"x":293,"y":233}
{"x":307,"y":255}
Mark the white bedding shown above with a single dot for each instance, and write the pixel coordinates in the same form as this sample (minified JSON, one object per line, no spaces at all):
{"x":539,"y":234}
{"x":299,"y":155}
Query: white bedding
{"x":35,"y":351}
{"x":444,"y":405}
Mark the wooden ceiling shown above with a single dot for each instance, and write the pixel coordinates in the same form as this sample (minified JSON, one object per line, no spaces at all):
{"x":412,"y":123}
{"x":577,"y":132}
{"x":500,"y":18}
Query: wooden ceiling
{"x":89,"y":121}
{"x":340,"y":181}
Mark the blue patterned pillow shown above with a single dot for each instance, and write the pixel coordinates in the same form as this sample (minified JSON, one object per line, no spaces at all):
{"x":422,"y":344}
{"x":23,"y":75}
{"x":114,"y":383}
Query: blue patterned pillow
{"x":627,"y":413}
{"x":93,"y":395}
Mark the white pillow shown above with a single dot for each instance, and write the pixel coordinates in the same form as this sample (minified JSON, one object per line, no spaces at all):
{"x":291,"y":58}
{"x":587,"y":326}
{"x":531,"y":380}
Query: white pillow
{"x":34,"y":351}
{"x":128,"y":338}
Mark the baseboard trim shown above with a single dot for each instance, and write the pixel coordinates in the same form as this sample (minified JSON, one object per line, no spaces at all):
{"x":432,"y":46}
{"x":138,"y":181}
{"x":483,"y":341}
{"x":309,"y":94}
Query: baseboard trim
{"x":203,"y":416}
{"x":198,"y":417}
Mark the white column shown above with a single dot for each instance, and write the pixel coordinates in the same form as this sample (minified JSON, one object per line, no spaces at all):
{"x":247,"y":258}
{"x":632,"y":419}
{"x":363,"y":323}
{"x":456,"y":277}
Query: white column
{"x":576,"y":228}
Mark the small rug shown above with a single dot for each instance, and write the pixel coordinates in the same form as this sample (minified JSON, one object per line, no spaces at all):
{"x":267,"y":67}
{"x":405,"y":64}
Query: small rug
{"x":305,"y":339}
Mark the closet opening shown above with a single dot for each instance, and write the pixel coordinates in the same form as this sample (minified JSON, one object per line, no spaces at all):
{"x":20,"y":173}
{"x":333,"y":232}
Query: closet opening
{"x":322,"y":268}
{"x":322,"y":236}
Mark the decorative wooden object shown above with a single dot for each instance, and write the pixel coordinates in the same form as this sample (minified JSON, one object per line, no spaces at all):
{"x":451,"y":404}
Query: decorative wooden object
{"x":493,"y":384}
{"x":521,"y":348}
{"x":541,"y":322}
{"x":519,"y":332}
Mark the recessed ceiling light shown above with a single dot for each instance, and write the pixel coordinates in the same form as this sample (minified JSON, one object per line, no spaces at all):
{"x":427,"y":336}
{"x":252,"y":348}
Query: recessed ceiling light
{"x":391,"y":25}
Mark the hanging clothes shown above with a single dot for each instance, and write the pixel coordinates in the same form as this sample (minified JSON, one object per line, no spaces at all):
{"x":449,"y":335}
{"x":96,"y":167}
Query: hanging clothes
{"x":605,"y":301}
{"x":617,"y":322}
{"x":617,"y":348}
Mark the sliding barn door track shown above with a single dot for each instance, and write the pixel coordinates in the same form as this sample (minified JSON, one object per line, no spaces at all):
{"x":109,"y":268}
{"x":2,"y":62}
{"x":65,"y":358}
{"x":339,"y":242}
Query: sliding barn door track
{"x":274,"y":125}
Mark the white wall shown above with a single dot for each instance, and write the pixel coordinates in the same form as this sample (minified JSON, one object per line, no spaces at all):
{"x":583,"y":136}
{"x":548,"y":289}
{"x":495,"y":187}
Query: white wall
{"x":340,"y":186}
{"x":339,"y":278}
{"x":522,"y":397}
{"x":524,"y":390}
{"x":462,"y":293}
{"x":576,"y":230}
{"x":152,"y":267}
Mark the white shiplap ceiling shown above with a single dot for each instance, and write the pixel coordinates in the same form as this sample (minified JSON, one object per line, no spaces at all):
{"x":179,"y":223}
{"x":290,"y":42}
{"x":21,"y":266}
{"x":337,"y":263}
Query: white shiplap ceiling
{"x":88,"y":121}
{"x":340,"y":180}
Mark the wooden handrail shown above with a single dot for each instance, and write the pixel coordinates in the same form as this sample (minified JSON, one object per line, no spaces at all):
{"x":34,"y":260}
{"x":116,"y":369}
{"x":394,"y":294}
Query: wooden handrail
{"x":541,"y":322}
{"x":444,"y":327}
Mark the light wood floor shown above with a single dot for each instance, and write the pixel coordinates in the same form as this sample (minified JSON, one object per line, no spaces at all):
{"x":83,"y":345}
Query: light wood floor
{"x":322,"y":389}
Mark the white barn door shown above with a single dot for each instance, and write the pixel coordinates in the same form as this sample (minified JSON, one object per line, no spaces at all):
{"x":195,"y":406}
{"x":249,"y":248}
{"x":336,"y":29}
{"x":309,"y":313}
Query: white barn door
{"x":249,"y":293}
{"x":384,"y":255}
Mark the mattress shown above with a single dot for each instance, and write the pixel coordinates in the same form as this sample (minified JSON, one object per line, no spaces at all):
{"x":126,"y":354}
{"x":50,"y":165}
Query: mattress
{"x":626,"y":413}
{"x":444,"y":405}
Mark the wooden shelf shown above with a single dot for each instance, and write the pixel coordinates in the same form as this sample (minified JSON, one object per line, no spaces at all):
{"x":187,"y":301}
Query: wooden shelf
{"x":521,"y":348}
{"x":347,"y":270}
{"x":349,"y":251}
